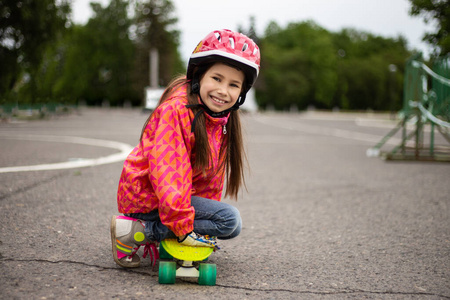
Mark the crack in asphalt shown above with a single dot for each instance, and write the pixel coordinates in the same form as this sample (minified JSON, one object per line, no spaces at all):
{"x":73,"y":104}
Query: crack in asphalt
{"x":335,"y":292}
{"x":53,"y":262}
{"x":33,"y":185}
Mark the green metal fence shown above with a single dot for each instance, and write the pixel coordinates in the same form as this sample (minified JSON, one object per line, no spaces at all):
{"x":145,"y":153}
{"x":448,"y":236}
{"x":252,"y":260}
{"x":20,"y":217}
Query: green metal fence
{"x":426,"y":109}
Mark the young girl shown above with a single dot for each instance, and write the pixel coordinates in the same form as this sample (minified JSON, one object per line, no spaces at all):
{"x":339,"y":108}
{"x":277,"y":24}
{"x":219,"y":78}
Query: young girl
{"x":172,"y":182}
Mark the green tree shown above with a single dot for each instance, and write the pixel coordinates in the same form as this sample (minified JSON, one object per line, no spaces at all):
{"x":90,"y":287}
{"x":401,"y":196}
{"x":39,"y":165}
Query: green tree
{"x":111,"y":53}
{"x":27,"y":27}
{"x":106,"y":60}
{"x":154,"y":28}
{"x":93,"y":63}
{"x":370,"y":70}
{"x":437,"y":12}
{"x":303,"y":64}
{"x":298,"y":67}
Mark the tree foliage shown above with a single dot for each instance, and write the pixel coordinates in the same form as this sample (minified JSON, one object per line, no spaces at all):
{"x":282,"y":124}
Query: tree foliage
{"x":437,"y":12}
{"x":154,"y":28}
{"x":27,"y":28}
{"x":298,"y":65}
{"x":304,"y":64}
{"x":369,"y":70}
{"x":97,"y":58}
{"x":104,"y":61}
{"x":44,"y":58}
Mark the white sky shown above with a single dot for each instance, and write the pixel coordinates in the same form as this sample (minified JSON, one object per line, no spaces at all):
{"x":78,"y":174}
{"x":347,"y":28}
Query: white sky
{"x":196,"y":18}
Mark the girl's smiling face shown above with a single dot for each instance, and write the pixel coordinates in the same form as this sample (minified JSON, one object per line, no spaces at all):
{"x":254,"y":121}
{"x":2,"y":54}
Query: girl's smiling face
{"x":221,"y":86}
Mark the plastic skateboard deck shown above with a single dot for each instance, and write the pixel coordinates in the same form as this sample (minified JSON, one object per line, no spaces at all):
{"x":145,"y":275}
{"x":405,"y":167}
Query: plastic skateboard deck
{"x":187,"y":256}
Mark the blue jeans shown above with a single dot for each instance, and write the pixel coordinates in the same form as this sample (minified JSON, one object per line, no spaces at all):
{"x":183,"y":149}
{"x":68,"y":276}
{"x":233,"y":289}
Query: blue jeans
{"x":212,"y":218}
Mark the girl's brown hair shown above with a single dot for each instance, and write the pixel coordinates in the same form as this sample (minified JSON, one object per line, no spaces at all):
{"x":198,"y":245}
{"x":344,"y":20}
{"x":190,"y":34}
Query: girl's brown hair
{"x":232,"y":148}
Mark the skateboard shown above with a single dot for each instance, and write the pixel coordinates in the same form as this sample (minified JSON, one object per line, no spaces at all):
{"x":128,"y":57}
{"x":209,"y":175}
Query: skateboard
{"x":171,"y":252}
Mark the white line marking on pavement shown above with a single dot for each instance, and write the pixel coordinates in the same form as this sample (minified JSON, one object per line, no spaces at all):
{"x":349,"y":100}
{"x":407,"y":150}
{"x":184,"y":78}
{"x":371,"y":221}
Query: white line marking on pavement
{"x":327,"y":131}
{"x":124,"y":149}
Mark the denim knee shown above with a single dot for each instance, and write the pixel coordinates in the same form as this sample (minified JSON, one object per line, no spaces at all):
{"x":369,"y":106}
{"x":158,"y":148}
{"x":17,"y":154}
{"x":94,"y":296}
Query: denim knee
{"x":232,"y":225}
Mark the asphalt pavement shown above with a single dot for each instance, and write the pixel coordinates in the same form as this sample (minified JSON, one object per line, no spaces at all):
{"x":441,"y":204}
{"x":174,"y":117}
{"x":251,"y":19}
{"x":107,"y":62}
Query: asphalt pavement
{"x":321,"y":219}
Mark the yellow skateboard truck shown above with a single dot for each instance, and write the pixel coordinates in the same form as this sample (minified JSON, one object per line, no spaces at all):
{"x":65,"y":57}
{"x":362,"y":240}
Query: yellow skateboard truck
{"x":170,"y":249}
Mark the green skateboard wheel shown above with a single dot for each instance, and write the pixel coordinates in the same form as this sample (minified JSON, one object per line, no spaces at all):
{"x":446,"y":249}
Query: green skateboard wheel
{"x":167,"y":272}
{"x":207,"y":274}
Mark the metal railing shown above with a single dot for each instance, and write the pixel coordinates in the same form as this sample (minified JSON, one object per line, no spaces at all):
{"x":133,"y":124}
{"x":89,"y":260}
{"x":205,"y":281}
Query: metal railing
{"x":426,"y":105}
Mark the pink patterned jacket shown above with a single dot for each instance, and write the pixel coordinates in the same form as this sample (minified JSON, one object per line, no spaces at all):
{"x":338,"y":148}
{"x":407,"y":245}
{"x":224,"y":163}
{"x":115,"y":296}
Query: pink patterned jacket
{"x":158,"y":173}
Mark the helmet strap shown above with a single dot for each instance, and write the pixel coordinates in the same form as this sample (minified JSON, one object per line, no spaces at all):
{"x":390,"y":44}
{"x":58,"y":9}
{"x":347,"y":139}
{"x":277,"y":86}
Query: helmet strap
{"x":203,"y":108}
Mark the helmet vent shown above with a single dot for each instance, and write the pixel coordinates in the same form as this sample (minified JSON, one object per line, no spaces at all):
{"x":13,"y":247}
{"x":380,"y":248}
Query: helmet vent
{"x":228,"y":47}
{"x":231,"y":42}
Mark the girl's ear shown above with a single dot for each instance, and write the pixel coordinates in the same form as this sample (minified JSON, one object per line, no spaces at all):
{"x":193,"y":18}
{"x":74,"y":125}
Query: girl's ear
{"x":195,"y":87}
{"x":197,"y":75}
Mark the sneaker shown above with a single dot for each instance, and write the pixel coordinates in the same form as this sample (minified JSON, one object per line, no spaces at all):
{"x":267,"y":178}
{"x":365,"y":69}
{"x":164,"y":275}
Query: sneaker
{"x":127,"y":236}
{"x":197,"y":240}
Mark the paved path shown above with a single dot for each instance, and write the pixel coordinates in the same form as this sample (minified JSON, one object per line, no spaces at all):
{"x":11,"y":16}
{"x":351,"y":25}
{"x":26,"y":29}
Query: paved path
{"x":321,"y":220}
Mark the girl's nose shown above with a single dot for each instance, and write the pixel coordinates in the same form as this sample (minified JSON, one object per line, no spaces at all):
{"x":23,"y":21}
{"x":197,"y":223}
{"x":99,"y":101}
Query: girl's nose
{"x":221,"y":90}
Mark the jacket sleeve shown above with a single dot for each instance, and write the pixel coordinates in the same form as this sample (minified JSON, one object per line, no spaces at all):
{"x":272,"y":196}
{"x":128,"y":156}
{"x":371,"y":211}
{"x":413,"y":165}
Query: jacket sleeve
{"x":166,"y":145}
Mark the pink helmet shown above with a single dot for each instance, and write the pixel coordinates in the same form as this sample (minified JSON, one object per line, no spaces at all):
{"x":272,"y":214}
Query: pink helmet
{"x":230,"y":47}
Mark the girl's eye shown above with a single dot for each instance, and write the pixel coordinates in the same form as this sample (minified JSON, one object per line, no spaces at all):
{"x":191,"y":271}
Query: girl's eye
{"x":235,"y":85}
{"x":216,"y":78}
